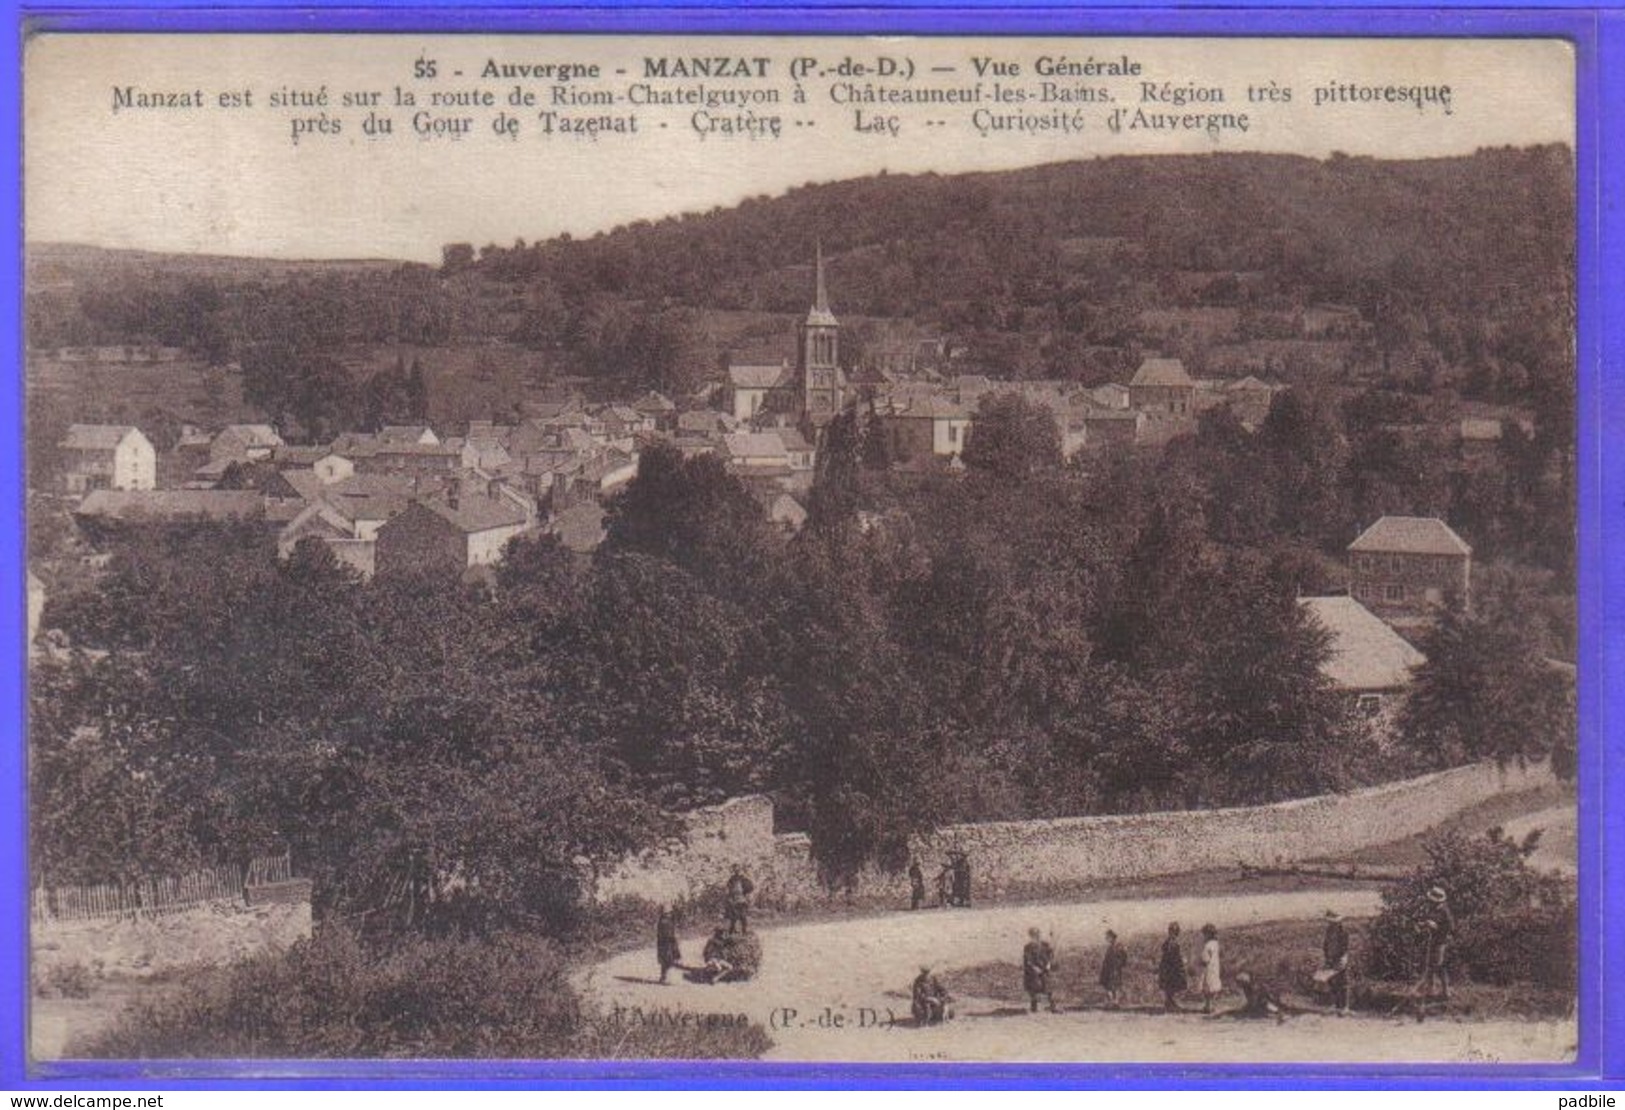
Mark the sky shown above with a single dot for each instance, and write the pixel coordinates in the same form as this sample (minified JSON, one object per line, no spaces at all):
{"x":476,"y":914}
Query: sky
{"x":228,"y":179}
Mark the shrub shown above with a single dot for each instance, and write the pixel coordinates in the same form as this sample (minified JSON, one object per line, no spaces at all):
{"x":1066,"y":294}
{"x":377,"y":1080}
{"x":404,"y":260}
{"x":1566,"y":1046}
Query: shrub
{"x":1514,"y":923}
{"x":70,"y":980}
{"x":333,"y":997}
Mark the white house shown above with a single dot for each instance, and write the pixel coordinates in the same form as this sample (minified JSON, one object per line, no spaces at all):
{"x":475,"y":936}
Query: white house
{"x":1369,"y":661}
{"x":108,"y":456}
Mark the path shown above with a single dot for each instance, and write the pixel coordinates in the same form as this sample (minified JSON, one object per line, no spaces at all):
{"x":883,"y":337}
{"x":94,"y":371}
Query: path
{"x":1558,"y":850}
{"x":856,"y":972}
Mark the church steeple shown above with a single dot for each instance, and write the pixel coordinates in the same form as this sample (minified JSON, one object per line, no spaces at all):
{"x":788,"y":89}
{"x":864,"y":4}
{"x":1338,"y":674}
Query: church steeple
{"x":818,"y":354}
{"x":822,"y":303}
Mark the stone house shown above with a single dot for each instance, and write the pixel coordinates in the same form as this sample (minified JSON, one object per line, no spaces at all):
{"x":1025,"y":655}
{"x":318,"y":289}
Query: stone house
{"x":1162,"y":385}
{"x":1406,"y":568}
{"x":108,"y":457}
{"x":1370,"y":663}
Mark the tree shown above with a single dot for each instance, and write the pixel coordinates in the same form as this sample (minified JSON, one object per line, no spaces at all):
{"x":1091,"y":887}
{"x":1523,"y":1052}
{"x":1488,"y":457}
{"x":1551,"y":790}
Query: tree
{"x":1487,"y":691}
{"x":1012,"y":439}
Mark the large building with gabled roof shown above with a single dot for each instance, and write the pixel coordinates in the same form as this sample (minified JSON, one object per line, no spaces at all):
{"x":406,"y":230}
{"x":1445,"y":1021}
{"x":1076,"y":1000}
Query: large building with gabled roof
{"x":1408,"y":568}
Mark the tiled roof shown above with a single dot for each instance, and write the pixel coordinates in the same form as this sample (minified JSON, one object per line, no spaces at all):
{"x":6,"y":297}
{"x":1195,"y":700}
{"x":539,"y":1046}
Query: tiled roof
{"x":1411,"y":535}
{"x":172,"y":504}
{"x":95,"y":437}
{"x":1161,"y":371}
{"x":255,"y":435}
{"x":476,"y":512}
{"x":754,"y":445}
{"x":755,"y":376}
{"x":1366,"y":653}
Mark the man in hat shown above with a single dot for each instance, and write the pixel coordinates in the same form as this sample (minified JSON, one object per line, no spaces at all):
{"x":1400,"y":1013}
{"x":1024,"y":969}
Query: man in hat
{"x":738,"y":899}
{"x":1037,"y":961}
{"x":929,"y":997}
{"x":1334,"y":950}
{"x":1438,"y":927}
{"x":916,"y":884}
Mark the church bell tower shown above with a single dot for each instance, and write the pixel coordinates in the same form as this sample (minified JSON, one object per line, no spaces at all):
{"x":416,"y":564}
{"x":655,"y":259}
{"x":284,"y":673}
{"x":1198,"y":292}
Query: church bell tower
{"x":818,"y":357}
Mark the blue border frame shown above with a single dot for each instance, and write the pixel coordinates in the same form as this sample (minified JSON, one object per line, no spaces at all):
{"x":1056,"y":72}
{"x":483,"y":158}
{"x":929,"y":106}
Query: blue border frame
{"x":1598,"y":33}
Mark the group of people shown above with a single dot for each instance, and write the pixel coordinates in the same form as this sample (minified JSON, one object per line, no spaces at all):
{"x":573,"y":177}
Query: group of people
{"x":953,"y":881}
{"x":717,"y":968}
{"x":1175,"y":976}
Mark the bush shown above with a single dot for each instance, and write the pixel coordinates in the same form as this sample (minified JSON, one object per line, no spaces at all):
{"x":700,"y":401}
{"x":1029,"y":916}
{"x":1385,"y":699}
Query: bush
{"x":70,"y":980}
{"x":1514,"y":923}
{"x":331,"y":996}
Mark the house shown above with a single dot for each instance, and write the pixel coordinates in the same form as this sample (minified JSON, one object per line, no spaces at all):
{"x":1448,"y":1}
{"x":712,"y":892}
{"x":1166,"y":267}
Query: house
{"x":761,"y":387}
{"x":920,"y":423}
{"x":706,"y":422}
{"x":1112,"y":395}
{"x":368,"y":501}
{"x":1162,"y":385}
{"x":465,"y":527}
{"x":400,"y":435}
{"x":108,"y":456}
{"x":800,"y":453}
{"x":1110,"y":427}
{"x":332,"y":468}
{"x":755,"y":451}
{"x":1369,"y":662}
{"x":659,"y":409}
{"x":1405,"y":568}
{"x":787,"y":513}
{"x":244,"y":443}
{"x":322,"y":521}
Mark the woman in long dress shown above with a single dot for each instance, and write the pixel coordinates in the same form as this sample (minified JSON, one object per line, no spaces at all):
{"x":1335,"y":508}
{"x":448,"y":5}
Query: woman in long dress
{"x":1212,"y":980}
{"x":1171,"y":969}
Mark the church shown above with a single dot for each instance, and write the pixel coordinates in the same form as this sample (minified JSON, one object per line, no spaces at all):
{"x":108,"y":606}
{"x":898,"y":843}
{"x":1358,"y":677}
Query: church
{"x":810,"y":394}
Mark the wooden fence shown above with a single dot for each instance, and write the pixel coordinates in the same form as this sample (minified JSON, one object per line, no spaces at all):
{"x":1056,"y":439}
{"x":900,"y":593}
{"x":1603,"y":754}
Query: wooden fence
{"x":170,"y":894}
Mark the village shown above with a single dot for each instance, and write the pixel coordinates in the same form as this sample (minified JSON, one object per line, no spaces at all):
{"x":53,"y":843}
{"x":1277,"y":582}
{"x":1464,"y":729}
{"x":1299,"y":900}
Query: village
{"x":405,"y":498}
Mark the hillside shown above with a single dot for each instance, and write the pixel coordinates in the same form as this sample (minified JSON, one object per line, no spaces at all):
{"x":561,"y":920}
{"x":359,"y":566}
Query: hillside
{"x":1445,"y":274}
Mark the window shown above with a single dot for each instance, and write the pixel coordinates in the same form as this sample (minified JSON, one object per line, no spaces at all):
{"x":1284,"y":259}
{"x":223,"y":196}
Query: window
{"x":1370,"y":705}
{"x":1393,"y":592}
{"x":953,"y":433}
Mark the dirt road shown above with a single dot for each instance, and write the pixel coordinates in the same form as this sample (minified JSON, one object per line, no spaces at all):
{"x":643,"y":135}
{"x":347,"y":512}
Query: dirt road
{"x":829,"y":991}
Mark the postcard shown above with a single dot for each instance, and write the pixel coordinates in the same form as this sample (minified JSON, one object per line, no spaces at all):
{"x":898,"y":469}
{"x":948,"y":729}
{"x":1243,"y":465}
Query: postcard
{"x":804,"y":548}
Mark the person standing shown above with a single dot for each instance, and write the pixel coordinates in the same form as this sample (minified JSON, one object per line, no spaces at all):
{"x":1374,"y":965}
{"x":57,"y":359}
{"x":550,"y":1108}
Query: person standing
{"x":738,"y":900}
{"x":666,"y":949}
{"x":1037,"y":961}
{"x":1334,"y":950}
{"x":1111,"y":970}
{"x":1439,"y":925}
{"x":945,"y":884}
{"x":916,"y":884}
{"x":1212,"y":980}
{"x":961,"y":879}
{"x":1171,"y":979}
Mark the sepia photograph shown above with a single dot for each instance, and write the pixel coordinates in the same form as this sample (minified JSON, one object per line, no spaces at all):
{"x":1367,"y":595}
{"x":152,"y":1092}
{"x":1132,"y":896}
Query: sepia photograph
{"x":800,"y":548}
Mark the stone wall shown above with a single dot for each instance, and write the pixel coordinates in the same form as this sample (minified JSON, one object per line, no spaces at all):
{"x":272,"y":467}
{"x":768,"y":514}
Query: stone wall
{"x":138,"y":946}
{"x":1028,"y":855}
